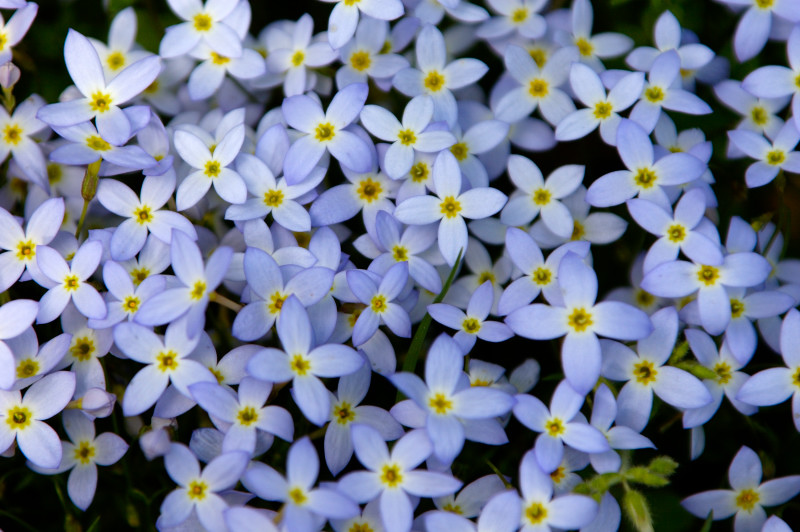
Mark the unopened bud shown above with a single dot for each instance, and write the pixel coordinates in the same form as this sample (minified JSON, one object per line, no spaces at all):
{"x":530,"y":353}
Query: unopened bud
{"x":98,"y":402}
{"x":155,"y":443}
{"x":9,"y":75}
{"x":525,"y":376}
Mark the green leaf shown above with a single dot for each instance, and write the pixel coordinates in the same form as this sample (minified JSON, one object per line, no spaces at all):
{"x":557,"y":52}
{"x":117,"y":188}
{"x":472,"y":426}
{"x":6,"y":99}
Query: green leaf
{"x":643,"y":475}
{"x":637,"y":510}
{"x":95,"y":526}
{"x":707,"y":523}
{"x":663,"y":465}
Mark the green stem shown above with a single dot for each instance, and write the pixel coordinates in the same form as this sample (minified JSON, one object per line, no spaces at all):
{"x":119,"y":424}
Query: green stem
{"x":88,"y":191}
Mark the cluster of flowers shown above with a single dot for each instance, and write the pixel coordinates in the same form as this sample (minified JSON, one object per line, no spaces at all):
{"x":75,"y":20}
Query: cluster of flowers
{"x":415,"y":174}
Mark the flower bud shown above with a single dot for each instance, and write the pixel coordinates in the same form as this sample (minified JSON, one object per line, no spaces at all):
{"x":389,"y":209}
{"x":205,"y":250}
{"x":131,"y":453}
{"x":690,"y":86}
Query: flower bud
{"x":155,"y":443}
{"x":9,"y":75}
{"x":97,"y":402}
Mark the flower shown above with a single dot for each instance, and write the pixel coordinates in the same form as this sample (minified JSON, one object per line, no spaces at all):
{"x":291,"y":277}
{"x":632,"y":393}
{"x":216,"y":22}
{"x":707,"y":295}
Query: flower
{"x":344,"y":17}
{"x":69,"y":282}
{"x":379,"y":299}
{"x":201,"y":24}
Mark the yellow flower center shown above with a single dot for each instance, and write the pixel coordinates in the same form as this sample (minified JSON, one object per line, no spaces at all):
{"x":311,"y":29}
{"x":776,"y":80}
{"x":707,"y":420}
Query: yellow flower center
{"x":115,"y":60}
{"x":400,"y":253}
{"x":460,"y":150}
{"x":276,"y":302}
{"x":519,"y":15}
{"x":391,"y":475}
{"x":538,"y":88}
{"x":764,"y":4}
{"x":26,"y":250}
{"x":737,"y":308}
{"x":100,"y":102}
{"x":796,"y":377}
{"x":585,"y":48}
{"x":723,"y":371}
{"x":131,"y":304}
{"x":602,"y":110}
{"x":84,"y":452}
{"x":654,"y":94}
{"x":539,"y":56}
{"x":198,"y":290}
{"x":298,"y":57}
{"x":197,"y":490}
{"x":450,"y":207}
{"x":440,"y":404}
{"x":579,"y":320}
{"x":775,"y":157}
{"x":645,"y":372}
{"x":54,"y":173}
{"x":542,"y":276}
{"x":369,"y":190}
{"x":434,"y":81}
{"x":645,"y":178}
{"x":759,"y":115}
{"x":577,"y":230}
{"x":82,"y":348}
{"x":273,"y":198}
{"x":212,"y":169}
{"x":167,"y":361}
{"x":708,"y":275}
{"x":378,"y":304}
{"x":486,"y":276}
{"x":536,"y":513}
{"x":541,"y":197}
{"x":297,"y":496}
{"x":343,"y":413}
{"x":452,"y":508}
{"x":152,"y":88}
{"x":143,"y":215}
{"x":558,"y":475}
{"x":300,"y":364}
{"x":139,"y":274}
{"x":202,"y":22}
{"x":19,"y":418}
{"x":747,"y":500}
{"x":554,"y":427}
{"x":407,"y":137}
{"x":27,"y":368}
{"x":360,"y":527}
{"x":644,"y":298}
{"x":12,"y":134}
{"x":325,"y":132}
{"x":71,"y":283}
{"x":97,"y":143}
{"x":247,"y":416}
{"x":219,"y":60}
{"x":360,"y":60}
{"x":471,"y":325}
{"x":419,"y":172}
{"x":676,"y":233}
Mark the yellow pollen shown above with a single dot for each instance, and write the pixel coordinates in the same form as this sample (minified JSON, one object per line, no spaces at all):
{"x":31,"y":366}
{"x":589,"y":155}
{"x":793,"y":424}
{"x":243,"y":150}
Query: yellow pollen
{"x":219,"y":60}
{"x":139,"y":274}
{"x":71,"y":283}
{"x":759,"y":115}
{"x":558,"y":475}
{"x":97,"y":143}
{"x":391,"y":476}
{"x":797,"y":81}
{"x":747,"y":500}
{"x":480,"y":382}
{"x":554,"y":427}
{"x":247,"y":416}
{"x":584,"y":46}
{"x":579,"y":320}
{"x":452,"y":508}
{"x":654,"y":94}
{"x":167,"y":361}
{"x":360,"y":60}
{"x":325,"y":132}
{"x":12,"y":134}
{"x":198,"y":290}
{"x":541,"y":197}
{"x":708,"y":275}
{"x":353,"y":318}
{"x":82,"y":348}
{"x":300,"y":364}
{"x":369,"y":190}
{"x":351,"y":2}
{"x":434,"y":81}
{"x":440,"y":404}
{"x":602,"y":110}
{"x":471,"y":325}
{"x":775,"y":157}
{"x":54,"y":173}
{"x":273,"y":198}
{"x":407,"y":137}
{"x":737,"y":308}
{"x":400,"y":253}
{"x":3,"y":40}
{"x":386,"y":48}
{"x":197,"y":490}
{"x":645,"y":372}
{"x":764,"y":4}
{"x":115,"y":60}
{"x":152,"y":88}
{"x":645,"y":178}
{"x":213,"y":168}
{"x":796,"y":377}
{"x":297,"y":496}
{"x":460,"y":150}
{"x":676,"y":233}
{"x":143,"y":215}
{"x":343,"y":413}
{"x":298,"y":57}
{"x":542,"y":276}
{"x":539,"y":56}
{"x":202,"y":22}
{"x":131,"y":304}
{"x":519,"y":15}
{"x":84,"y":452}
{"x":378,"y":304}
{"x":18,"y":418}
{"x":486,"y":276}
{"x":644,"y":298}
{"x":536,"y":513}
{"x":724,"y":372}
{"x":27,"y":368}
{"x":419,"y":172}
{"x":577,"y":230}
{"x":538,"y":88}
{"x":276,"y":302}
{"x":360,"y":527}
{"x":450,"y":207}
{"x":100,"y":102}
{"x":26,"y":250}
